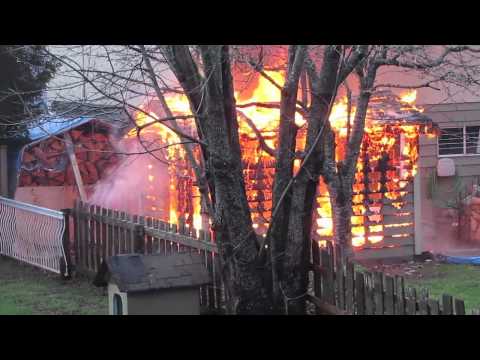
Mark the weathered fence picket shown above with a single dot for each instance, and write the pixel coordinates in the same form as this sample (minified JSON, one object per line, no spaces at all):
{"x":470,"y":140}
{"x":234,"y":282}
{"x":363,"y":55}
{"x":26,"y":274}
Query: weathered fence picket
{"x":399,"y":295}
{"x":350,"y":288}
{"x":369,"y":304}
{"x":359,"y":295}
{"x":367,"y":293}
{"x":447,"y":304}
{"x":459,"y":307}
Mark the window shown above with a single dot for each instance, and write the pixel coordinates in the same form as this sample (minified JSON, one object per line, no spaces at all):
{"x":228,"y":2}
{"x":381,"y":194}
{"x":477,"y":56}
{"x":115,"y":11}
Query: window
{"x":471,"y":136}
{"x":459,"y":141}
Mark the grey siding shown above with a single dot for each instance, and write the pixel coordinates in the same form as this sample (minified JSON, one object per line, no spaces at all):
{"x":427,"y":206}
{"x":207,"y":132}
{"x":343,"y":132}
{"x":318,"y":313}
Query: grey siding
{"x":437,"y":223}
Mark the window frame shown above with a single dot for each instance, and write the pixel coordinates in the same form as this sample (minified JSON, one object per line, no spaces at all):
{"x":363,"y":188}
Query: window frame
{"x":464,"y":153}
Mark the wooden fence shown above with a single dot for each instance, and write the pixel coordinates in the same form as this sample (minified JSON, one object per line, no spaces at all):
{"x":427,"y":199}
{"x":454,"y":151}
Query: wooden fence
{"x":99,"y":233}
{"x":339,"y":289}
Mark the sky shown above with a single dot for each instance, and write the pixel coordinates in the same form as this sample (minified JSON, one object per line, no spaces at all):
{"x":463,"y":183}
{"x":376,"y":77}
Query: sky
{"x":63,"y":87}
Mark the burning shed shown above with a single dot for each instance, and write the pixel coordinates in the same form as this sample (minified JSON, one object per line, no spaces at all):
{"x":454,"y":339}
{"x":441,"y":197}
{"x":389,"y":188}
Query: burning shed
{"x":383,"y":221}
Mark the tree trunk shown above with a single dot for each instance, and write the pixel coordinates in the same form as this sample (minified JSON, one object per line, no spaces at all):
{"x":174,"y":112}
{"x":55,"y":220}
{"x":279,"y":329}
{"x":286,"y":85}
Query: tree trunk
{"x":277,"y":235}
{"x":239,"y":246}
{"x":341,"y":203}
{"x":297,"y":250}
{"x":212,"y":99}
{"x":297,"y":253}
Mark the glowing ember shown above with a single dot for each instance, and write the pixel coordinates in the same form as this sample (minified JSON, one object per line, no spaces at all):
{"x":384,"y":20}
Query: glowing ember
{"x":409,"y":97}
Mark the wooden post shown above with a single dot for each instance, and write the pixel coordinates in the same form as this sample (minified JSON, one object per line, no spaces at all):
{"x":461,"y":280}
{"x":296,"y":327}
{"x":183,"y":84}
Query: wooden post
{"x":378,"y":292}
{"x":109,"y":244}
{"x":359,"y":293}
{"x":423,"y":302}
{"x":350,"y":285}
{"x":340,"y":278}
{"x":328,"y":286}
{"x":459,"y":307}
{"x":389,"y":296}
{"x":76,"y":170}
{"x":84,"y":229}
{"x":87,"y":234}
{"x":447,"y":305}
{"x":149,"y":223}
{"x":156,"y":240}
{"x":123,"y":233}
{"x":434,"y":307}
{"x":203,"y":254}
{"x":116,"y":233}
{"x":91,"y":236}
{"x":316,"y":272}
{"x":400,"y":295}
{"x":139,"y":239}
{"x":423,"y":306}
{"x":104,"y":233}
{"x":98,"y":236}
{"x":369,"y":304}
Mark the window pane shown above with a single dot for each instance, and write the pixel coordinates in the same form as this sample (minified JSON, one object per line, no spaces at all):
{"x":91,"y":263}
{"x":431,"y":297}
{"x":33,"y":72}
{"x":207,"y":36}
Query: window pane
{"x":472,"y":139}
{"x":451,"y":141}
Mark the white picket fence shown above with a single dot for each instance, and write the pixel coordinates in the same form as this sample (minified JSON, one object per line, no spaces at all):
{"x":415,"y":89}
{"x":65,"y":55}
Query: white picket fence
{"x":32,"y":234}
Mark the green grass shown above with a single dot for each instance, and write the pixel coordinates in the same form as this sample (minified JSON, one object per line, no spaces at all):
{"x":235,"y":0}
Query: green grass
{"x":460,"y":281}
{"x":25,"y":290}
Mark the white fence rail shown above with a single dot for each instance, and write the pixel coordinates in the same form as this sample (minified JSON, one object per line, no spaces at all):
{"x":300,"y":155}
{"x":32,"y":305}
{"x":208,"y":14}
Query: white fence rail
{"x":32,"y":234}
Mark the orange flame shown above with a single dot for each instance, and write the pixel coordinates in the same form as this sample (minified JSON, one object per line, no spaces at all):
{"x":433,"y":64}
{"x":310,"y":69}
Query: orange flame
{"x":381,"y":139}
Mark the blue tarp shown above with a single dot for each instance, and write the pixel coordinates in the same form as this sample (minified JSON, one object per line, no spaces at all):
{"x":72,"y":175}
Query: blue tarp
{"x":55,"y":126}
{"x":469,"y":260}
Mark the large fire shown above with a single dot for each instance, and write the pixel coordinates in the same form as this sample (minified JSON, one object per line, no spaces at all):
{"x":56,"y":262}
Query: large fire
{"x":385,"y":168}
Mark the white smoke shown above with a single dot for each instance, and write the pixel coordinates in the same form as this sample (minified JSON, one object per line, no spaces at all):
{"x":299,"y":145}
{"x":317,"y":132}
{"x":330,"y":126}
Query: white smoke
{"x":132,"y":184}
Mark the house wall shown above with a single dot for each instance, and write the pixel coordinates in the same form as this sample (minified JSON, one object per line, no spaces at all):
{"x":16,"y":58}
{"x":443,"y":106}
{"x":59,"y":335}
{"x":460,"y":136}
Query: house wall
{"x":438,"y":229}
{"x":52,"y":197}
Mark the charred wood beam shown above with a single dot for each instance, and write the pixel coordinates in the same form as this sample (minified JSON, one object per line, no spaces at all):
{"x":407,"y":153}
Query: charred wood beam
{"x":270,"y":105}
{"x":259,"y":135}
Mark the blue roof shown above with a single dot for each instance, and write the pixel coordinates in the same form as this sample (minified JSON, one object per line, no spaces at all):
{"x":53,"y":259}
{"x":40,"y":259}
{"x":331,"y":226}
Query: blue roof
{"x":47,"y":128}
{"x":55,"y":126}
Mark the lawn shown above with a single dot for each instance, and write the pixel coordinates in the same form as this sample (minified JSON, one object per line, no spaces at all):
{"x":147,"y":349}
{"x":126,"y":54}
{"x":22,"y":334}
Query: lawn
{"x":460,"y":281}
{"x":26,"y":290}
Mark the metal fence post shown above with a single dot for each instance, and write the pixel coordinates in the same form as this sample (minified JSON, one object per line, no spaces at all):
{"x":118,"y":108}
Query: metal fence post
{"x":66,"y":268}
